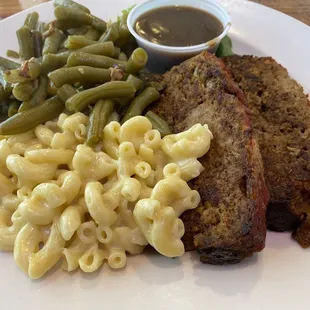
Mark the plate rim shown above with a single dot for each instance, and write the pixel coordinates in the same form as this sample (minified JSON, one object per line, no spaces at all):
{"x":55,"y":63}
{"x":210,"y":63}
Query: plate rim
{"x":24,"y":285}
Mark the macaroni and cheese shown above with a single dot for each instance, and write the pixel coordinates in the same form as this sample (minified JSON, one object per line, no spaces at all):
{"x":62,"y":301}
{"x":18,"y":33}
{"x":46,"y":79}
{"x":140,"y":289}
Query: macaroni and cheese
{"x":60,"y":199}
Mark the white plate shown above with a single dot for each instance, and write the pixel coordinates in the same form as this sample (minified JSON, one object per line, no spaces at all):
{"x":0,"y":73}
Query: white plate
{"x":277,"y":278}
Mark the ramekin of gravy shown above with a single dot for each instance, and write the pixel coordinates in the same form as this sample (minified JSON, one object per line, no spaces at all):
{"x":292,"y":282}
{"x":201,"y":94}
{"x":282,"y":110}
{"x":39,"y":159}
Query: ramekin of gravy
{"x":174,"y":30}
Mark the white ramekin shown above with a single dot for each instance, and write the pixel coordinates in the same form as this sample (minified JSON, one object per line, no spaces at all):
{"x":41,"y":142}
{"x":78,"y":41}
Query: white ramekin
{"x":162,"y":57}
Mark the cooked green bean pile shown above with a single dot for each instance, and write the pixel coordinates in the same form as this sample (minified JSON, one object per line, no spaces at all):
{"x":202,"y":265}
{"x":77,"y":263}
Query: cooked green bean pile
{"x":75,"y":63}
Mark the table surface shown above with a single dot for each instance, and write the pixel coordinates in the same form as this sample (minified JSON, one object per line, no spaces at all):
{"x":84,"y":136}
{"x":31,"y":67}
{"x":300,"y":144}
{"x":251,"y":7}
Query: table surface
{"x":299,"y":9}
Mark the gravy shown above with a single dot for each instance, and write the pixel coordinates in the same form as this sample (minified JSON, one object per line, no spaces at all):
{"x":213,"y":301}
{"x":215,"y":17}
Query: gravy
{"x":178,"y":26}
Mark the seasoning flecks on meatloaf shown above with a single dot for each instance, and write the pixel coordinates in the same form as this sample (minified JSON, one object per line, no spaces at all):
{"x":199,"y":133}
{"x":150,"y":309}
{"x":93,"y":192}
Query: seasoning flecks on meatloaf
{"x":281,"y":120}
{"x":229,"y":224}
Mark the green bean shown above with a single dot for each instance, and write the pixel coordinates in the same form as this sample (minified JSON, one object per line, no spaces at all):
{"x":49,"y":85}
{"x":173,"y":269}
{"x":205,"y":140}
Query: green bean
{"x":37,"y":43}
{"x":4,"y":94}
{"x":28,"y":71}
{"x":124,"y":33}
{"x":27,"y":120}
{"x":8,"y":64}
{"x":38,"y":96}
{"x":51,"y":89}
{"x":136,"y":61}
{"x":62,"y":47}
{"x":23,"y":91}
{"x":160,"y":87}
{"x":141,"y":102}
{"x":136,"y":82}
{"x":114,"y":117}
{"x":51,"y":62}
{"x":66,"y":24}
{"x":5,"y":84}
{"x":80,"y":74}
{"x":111,"y":34}
{"x":123,"y":57}
{"x":52,"y":42}
{"x":93,"y":34}
{"x":31,"y":20}
{"x":97,"y":120}
{"x":78,"y":31}
{"x":25,"y":43}
{"x":116,"y":89}
{"x":158,"y":123}
{"x":41,"y":27}
{"x":71,"y":4}
{"x":67,"y":13}
{"x":13,"y":108}
{"x":117,"y":52}
{"x":12,"y":54}
{"x":50,"y":29}
{"x":96,"y":61}
{"x":98,"y":23}
{"x":105,"y":49}
{"x":76,"y":42}
{"x":65,"y":92}
{"x":62,"y":56}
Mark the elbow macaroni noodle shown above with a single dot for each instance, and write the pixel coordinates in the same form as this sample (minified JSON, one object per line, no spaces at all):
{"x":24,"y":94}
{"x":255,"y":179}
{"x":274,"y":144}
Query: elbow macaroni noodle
{"x":60,"y":198}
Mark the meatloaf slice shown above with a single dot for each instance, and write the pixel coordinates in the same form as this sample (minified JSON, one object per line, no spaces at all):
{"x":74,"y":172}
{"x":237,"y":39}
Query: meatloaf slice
{"x":281,"y":121}
{"x":229,"y":224}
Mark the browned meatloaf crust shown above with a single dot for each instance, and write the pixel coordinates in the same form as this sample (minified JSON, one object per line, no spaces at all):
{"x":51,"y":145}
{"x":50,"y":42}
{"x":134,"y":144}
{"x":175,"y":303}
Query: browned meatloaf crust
{"x":229,"y":224}
{"x":281,"y":121}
